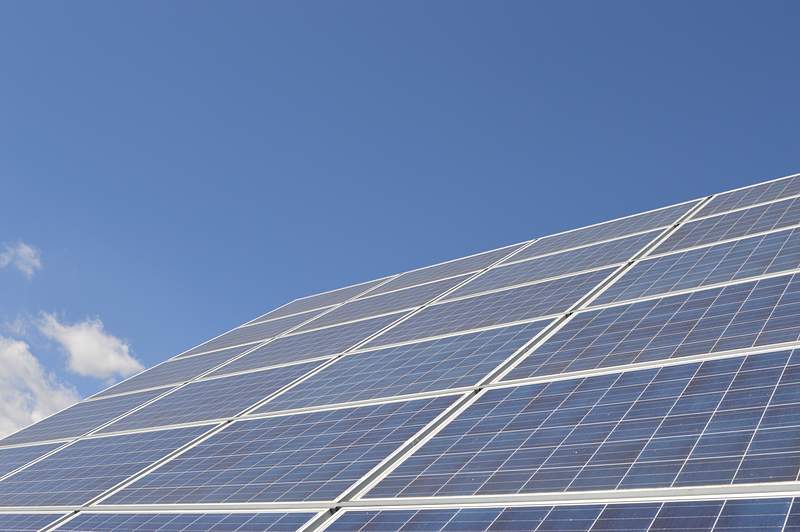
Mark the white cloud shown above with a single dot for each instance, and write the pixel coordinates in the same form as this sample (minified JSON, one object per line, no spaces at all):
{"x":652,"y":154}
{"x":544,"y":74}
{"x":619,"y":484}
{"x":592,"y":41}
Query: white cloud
{"x":27,"y":392}
{"x":24,"y":257}
{"x":91,"y":351}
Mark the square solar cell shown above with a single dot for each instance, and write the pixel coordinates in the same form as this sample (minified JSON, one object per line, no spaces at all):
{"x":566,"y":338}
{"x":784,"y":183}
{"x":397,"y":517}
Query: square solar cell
{"x":412,"y":368}
{"x":81,"y":418}
{"x":735,"y":199}
{"x":586,"y":258}
{"x":212,"y":399}
{"x":383,"y":304}
{"x":448,"y":269}
{"x":26,"y":522}
{"x":750,"y":257}
{"x":89,"y":467}
{"x":605,"y":231}
{"x":187,"y":522}
{"x":302,"y":457}
{"x":756,"y":313}
{"x":733,"y":225}
{"x":13,"y":457}
{"x":249,"y":334}
{"x":175,"y":371}
{"x":719,"y":422}
{"x":496,"y":308}
{"x":312,"y":344}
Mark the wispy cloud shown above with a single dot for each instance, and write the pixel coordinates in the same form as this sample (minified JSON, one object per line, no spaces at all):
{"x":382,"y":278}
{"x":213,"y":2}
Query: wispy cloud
{"x":91,"y":351}
{"x":24,"y":257}
{"x":27,"y":392}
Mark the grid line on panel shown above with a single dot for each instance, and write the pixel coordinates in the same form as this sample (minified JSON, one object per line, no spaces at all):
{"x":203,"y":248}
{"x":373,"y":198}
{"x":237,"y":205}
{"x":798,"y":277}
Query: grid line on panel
{"x":753,"y":194}
{"x":186,"y":522}
{"x":26,"y":522}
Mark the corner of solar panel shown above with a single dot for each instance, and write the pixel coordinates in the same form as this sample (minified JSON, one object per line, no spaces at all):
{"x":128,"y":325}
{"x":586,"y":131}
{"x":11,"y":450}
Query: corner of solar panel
{"x":636,"y":374}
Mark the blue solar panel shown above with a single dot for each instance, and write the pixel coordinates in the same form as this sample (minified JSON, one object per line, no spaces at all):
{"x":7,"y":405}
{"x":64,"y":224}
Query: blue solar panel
{"x":733,"y":225}
{"x":771,"y":253}
{"x":448,"y":269}
{"x":412,"y":368}
{"x":384,"y":304}
{"x":726,"y":421}
{"x":176,"y":371}
{"x":81,"y":418}
{"x":84,"y":470}
{"x":735,"y":199}
{"x":26,"y":522}
{"x":755,"y":313}
{"x":752,"y":515}
{"x":496,"y":308}
{"x":14,"y":457}
{"x":302,"y":457}
{"x":614,"y":252}
{"x":212,"y":399}
{"x":312,"y":344}
{"x":605,"y":231}
{"x":187,"y":522}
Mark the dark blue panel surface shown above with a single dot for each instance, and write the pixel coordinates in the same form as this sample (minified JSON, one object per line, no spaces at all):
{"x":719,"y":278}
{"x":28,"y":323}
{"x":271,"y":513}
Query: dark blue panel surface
{"x":735,"y":199}
{"x":425,"y":366}
{"x":15,"y":457}
{"x":738,"y":316}
{"x":303,"y":457}
{"x":187,"y":522}
{"x":726,"y":421}
{"x":26,"y":522}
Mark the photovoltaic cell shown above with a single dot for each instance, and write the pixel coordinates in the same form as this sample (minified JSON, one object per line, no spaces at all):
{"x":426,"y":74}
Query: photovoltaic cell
{"x":719,"y":422}
{"x":89,"y":467}
{"x":412,"y":368}
{"x":80,"y":418}
{"x":733,"y":225}
{"x":302,"y":457}
{"x":614,"y":252}
{"x":248,"y":334}
{"x":751,"y":314}
{"x":212,"y":399}
{"x":318,"y":301}
{"x":232,"y":351}
{"x":312,"y":344}
{"x":174,"y":371}
{"x":187,"y":522}
{"x":14,"y":457}
{"x":752,"y":195}
{"x":771,"y":253}
{"x":753,"y":515}
{"x":448,"y":269}
{"x":613,"y":229}
{"x":26,"y":522}
{"x":384,"y":304}
{"x":507,"y":306}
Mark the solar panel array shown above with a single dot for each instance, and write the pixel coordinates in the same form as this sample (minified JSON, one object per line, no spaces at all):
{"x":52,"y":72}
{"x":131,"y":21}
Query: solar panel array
{"x":637,"y":374}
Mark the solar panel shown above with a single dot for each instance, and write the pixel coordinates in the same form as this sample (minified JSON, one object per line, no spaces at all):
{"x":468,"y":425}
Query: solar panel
{"x":750,"y":257}
{"x":710,"y":515}
{"x":248,"y":334}
{"x":13,"y":457}
{"x":591,"y":257}
{"x":734,"y":225}
{"x":187,"y":522}
{"x":302,"y":457}
{"x":737,"y":316}
{"x":80,"y":418}
{"x":452,"y":268}
{"x":175,"y":371}
{"x":318,"y":343}
{"x":26,"y":522}
{"x":735,"y":199}
{"x":230,"y":396}
{"x":426,"y":366}
{"x":605,"y":231}
{"x":87,"y":468}
{"x":528,"y":302}
{"x":384,"y":304}
{"x":719,"y":422}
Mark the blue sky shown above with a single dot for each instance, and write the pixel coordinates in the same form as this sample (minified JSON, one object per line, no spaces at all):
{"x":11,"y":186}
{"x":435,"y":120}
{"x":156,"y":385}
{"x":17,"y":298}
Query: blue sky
{"x":184,"y":166}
